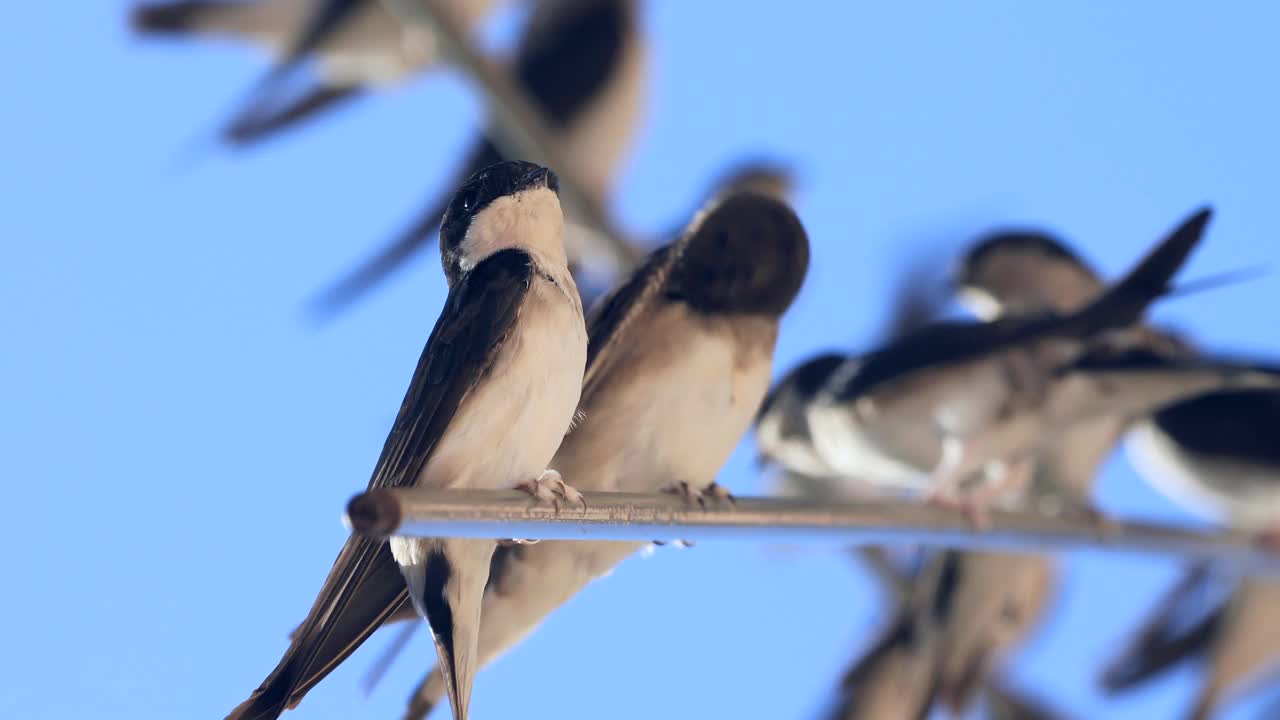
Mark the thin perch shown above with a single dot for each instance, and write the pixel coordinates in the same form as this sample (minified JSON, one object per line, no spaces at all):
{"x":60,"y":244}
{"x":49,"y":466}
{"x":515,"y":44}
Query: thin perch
{"x":635,"y":517}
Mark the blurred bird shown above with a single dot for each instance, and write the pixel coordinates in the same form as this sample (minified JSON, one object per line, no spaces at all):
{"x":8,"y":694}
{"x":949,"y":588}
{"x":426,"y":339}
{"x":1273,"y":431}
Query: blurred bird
{"x":679,"y":358}
{"x":761,"y":176}
{"x":962,"y":614}
{"x":782,"y":433}
{"x":582,"y":63}
{"x":995,"y":391}
{"x":996,"y":602}
{"x":894,"y":678}
{"x":1216,"y":452}
{"x":492,"y":396}
{"x":1236,"y":638}
{"x":358,"y":45}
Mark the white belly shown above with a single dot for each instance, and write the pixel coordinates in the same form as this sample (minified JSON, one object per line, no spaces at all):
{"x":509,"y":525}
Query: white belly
{"x":509,"y":426}
{"x":855,"y":452}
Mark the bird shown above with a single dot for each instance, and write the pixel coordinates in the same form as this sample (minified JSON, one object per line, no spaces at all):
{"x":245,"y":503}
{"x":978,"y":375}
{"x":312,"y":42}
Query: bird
{"x":680,"y":355}
{"x":583,"y":64}
{"x":995,"y":390}
{"x":781,"y":428}
{"x":1228,"y":626}
{"x":961,"y":614}
{"x":1207,"y":451}
{"x":491,"y":398}
{"x":358,"y":46}
{"x":1211,"y":453}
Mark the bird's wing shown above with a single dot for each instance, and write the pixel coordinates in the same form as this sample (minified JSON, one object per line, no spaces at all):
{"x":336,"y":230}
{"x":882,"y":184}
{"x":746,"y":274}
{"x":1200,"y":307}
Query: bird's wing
{"x":257,"y":123}
{"x":610,"y":316}
{"x":1181,"y":627}
{"x":1121,"y":305}
{"x":365,"y":586}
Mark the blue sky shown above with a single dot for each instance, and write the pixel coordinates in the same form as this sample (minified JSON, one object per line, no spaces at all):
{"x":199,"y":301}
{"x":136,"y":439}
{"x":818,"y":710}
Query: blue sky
{"x":179,"y":442}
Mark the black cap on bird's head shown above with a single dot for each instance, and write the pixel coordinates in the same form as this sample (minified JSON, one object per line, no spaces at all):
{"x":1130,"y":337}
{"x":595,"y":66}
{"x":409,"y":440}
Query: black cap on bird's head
{"x":501,"y":180}
{"x":1022,"y":271}
{"x":748,"y":253}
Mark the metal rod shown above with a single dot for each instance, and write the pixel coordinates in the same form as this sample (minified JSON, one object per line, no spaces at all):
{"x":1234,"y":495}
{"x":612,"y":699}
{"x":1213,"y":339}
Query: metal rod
{"x":505,"y":514}
{"x":524,"y":131}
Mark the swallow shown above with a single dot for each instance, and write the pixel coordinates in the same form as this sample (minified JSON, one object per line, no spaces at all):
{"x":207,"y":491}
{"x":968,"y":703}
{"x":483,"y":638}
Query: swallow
{"x":489,"y":402}
{"x":596,"y":275}
{"x":358,"y":46}
{"x":583,"y":64}
{"x":782,"y":433}
{"x":997,"y":600}
{"x":962,"y":613}
{"x":1212,"y":453}
{"x":1234,"y":634}
{"x":991,"y":390}
{"x":895,"y":676}
{"x":680,"y":355}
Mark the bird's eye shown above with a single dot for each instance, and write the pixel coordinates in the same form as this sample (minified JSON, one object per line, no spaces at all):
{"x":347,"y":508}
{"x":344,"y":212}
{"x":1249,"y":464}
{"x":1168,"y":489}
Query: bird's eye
{"x":469,"y":200}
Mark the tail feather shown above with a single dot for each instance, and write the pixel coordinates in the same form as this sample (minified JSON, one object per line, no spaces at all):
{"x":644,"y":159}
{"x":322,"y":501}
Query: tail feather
{"x":1168,"y":637}
{"x":449,"y":589}
{"x":363,"y":589}
{"x":1125,"y":302}
{"x":255,"y":124}
{"x":177,"y":18}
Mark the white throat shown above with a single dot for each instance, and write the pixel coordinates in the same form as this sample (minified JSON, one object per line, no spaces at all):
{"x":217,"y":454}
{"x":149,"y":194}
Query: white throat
{"x":530,"y":220}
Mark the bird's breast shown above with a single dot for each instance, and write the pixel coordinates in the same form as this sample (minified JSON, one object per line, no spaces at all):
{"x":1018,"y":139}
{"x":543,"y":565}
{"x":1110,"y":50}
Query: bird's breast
{"x":511,"y":424}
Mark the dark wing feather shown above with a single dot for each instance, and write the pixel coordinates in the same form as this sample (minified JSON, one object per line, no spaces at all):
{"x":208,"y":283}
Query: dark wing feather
{"x":1241,"y":425}
{"x":611,"y":314}
{"x":256,"y":124}
{"x":479,"y":315}
{"x":946,"y":343}
{"x":1181,"y":627}
{"x":365,"y":586}
{"x":255,"y":120}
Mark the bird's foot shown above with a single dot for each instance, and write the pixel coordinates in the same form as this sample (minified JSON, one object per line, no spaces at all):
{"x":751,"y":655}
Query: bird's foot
{"x":974,"y":509}
{"x":674,"y":543}
{"x":715,"y":493}
{"x":549,"y":487}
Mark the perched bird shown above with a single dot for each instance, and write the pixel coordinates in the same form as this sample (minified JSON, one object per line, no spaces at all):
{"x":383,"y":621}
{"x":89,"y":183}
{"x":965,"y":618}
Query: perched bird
{"x":1214,"y":453}
{"x":995,"y":391}
{"x":782,"y":424}
{"x":582,"y":63}
{"x":358,"y":45}
{"x":680,"y":356}
{"x":489,"y":402}
{"x":782,"y":433}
